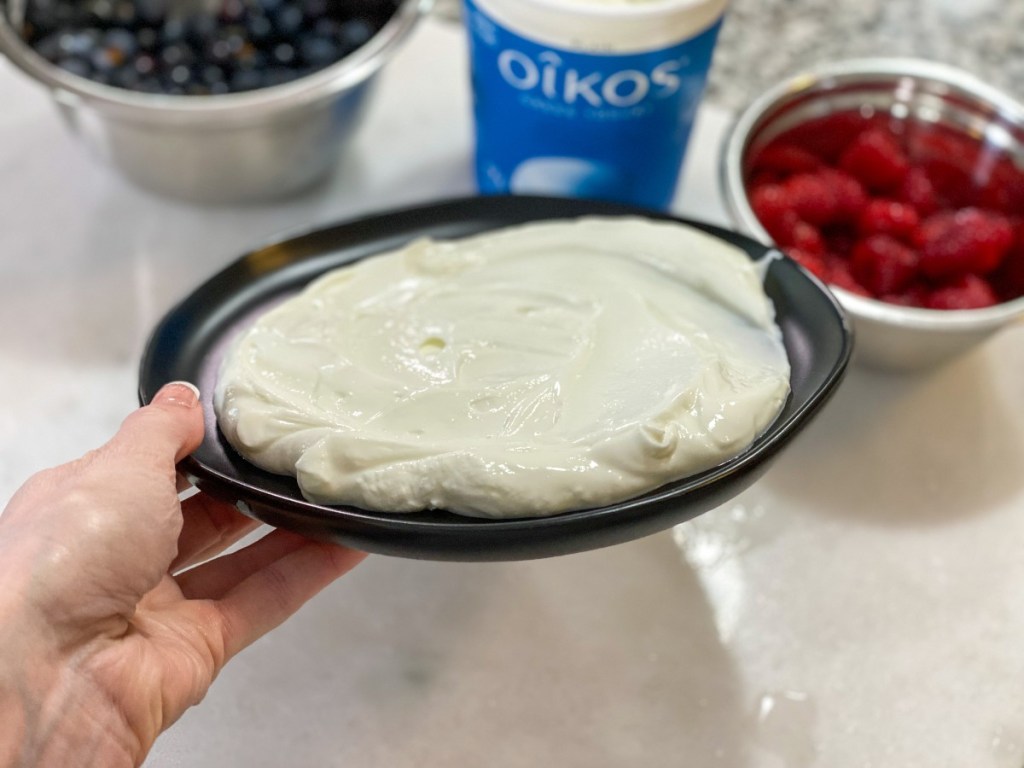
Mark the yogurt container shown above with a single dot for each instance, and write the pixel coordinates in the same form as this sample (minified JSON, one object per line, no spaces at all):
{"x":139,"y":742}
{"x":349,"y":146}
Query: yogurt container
{"x":588,"y":98}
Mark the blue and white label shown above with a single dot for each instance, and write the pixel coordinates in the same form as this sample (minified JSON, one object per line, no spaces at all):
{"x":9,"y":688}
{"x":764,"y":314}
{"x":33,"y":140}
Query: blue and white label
{"x":560,"y":122}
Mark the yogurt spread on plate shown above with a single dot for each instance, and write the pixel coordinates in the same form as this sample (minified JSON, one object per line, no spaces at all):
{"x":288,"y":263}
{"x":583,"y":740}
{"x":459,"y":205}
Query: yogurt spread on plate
{"x":522,"y":372}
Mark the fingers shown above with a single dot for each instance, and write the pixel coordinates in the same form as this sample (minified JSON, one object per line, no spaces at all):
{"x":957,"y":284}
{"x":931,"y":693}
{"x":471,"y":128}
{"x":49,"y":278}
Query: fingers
{"x":213,"y":580}
{"x":259,"y":587}
{"x":170,"y":427}
{"x":209,"y":527}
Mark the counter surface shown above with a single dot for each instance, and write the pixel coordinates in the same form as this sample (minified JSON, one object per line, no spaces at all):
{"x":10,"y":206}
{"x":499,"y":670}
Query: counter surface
{"x":862,"y":605}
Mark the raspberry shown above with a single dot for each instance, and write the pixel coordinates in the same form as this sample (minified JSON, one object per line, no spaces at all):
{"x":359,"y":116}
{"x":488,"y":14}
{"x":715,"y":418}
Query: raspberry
{"x":917,"y":190}
{"x":883,"y":264}
{"x":840,"y":276}
{"x":887,"y":217}
{"x":785,"y":159}
{"x":840,"y":240}
{"x":826,"y":137}
{"x":953,"y":243}
{"x":948,"y":161}
{"x":807,"y":239}
{"x":849,"y":195}
{"x":811,"y":197}
{"x":952,"y":184}
{"x":1004,"y":189}
{"x":965,"y":292}
{"x":1008,"y":280}
{"x":812,"y":262}
{"x":772,"y":207}
{"x":875,"y":159}
{"x":916,"y":295}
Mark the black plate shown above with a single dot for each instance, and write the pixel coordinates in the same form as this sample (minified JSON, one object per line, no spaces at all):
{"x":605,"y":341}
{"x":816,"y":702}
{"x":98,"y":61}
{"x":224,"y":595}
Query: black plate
{"x":190,"y":341}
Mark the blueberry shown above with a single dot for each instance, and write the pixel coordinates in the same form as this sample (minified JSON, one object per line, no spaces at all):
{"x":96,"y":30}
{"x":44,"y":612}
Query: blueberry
{"x":149,"y":85}
{"x":314,"y":9}
{"x":200,"y":28}
{"x":81,"y":43}
{"x":144,"y":64}
{"x":106,"y":59}
{"x":172,"y":31}
{"x":100,"y":11}
{"x":147,"y":38}
{"x":211,"y":74}
{"x":246,"y":80}
{"x":75,"y":66}
{"x":125,"y":77}
{"x":259,"y":28}
{"x":288,"y":20}
{"x":175,"y":54}
{"x":354,"y":33}
{"x":278,"y":76}
{"x":283,"y":53}
{"x":151,"y":12}
{"x":327,"y":27}
{"x":319,"y":51}
{"x":124,"y":13}
{"x":180,"y":75}
{"x":120,"y":40}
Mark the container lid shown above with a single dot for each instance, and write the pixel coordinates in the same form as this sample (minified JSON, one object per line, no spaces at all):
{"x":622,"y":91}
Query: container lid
{"x":606,"y":26}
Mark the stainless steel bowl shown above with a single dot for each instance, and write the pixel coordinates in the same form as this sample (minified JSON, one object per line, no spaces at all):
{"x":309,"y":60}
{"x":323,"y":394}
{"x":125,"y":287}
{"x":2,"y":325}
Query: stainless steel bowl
{"x":236,"y":147}
{"x":888,"y":336}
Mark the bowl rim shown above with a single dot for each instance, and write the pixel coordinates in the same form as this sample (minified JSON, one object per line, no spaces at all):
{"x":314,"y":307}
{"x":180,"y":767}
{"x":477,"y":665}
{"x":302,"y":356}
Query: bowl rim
{"x":360,"y":65}
{"x":851,"y":70}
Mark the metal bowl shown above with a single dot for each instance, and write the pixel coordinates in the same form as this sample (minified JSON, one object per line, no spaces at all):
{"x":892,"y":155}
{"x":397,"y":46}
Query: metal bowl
{"x":888,"y":336}
{"x":237,"y":147}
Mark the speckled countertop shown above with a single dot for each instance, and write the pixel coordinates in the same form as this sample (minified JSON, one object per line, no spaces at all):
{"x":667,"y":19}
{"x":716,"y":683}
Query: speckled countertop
{"x":764,"y":41}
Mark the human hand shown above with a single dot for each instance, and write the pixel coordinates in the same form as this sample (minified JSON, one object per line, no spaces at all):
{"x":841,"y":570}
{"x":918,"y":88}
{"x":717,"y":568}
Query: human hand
{"x":105,"y":638}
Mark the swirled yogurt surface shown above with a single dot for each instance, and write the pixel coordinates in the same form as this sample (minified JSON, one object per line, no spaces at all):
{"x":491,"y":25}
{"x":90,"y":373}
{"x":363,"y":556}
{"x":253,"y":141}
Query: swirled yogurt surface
{"x":522,"y":372}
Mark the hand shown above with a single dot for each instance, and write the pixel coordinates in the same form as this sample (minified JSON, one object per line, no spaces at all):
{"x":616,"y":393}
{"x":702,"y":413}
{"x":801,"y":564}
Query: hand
{"x":105,"y":637}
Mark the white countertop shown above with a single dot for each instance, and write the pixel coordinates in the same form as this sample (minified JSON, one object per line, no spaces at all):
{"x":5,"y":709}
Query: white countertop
{"x":862,"y":605}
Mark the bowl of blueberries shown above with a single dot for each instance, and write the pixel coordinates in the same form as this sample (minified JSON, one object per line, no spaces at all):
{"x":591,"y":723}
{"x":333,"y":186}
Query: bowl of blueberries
{"x":210,"y":100}
{"x":900,"y":184}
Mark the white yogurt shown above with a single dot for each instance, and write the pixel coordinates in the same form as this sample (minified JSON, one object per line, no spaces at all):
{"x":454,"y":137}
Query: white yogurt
{"x":525,"y":372}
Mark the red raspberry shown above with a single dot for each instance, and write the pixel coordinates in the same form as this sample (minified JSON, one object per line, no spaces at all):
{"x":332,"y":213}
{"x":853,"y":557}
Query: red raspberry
{"x":812,"y":262}
{"x":965,"y":292}
{"x":772,"y":207}
{"x":849,"y":195}
{"x":948,"y":160}
{"x":827,"y":137}
{"x":811,"y":197}
{"x":1008,"y":280}
{"x":840,"y":276}
{"x":1004,"y":190}
{"x":883,"y":264}
{"x":953,"y":243}
{"x":808,"y":239}
{"x":875,"y":159}
{"x":916,"y":295}
{"x":917,"y":190}
{"x":840,"y":241}
{"x":784,"y":159}
{"x":887,"y":217}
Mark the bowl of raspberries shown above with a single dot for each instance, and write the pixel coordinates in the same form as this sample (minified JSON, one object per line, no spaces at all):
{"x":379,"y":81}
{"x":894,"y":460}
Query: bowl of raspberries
{"x":900,"y":184}
{"x":209,"y":100}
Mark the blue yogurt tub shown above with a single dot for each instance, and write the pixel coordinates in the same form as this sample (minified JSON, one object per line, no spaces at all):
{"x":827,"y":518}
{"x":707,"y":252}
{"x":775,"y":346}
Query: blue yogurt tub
{"x":588,"y":98}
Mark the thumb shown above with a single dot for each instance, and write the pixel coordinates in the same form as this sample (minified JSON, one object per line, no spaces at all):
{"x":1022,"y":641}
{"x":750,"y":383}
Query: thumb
{"x":170,"y":427}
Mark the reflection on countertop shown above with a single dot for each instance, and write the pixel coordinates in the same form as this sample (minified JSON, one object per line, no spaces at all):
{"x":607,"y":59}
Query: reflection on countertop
{"x":765,"y":41}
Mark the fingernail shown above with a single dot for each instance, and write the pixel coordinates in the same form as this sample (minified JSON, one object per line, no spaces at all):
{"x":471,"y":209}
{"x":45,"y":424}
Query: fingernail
{"x":182,"y":393}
